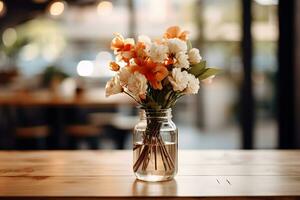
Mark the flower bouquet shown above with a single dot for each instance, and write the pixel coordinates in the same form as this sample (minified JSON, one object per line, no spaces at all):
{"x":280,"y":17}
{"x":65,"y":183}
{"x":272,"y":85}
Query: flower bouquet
{"x":156,"y":74}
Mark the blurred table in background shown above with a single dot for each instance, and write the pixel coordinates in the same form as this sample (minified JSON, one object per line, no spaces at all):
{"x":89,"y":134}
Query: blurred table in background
{"x":92,"y":97}
{"x":60,"y":111}
{"x":234,"y":174}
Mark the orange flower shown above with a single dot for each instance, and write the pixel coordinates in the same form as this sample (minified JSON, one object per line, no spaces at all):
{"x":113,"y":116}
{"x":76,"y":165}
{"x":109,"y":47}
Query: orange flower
{"x":154,"y":73}
{"x":121,"y":44}
{"x":114,"y":66}
{"x":123,"y":47}
{"x":175,"y":32}
{"x":117,"y":43}
{"x":139,"y":50}
{"x":169,"y":61}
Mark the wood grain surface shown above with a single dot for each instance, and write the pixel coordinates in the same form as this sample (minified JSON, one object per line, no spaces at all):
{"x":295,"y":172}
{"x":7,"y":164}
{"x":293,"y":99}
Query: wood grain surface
{"x":107,"y":174}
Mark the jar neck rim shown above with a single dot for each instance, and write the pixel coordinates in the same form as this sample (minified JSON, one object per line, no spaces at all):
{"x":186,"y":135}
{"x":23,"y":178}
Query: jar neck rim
{"x":156,"y":110}
{"x":156,"y":113}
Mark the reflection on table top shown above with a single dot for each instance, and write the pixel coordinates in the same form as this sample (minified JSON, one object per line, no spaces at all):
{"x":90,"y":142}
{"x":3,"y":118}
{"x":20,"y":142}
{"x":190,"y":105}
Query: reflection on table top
{"x":102,"y":174}
{"x":93,"y":97}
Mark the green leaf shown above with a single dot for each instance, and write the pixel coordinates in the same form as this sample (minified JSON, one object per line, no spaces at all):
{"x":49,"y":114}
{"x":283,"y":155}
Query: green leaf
{"x":198,"y":69}
{"x":189,"y":45}
{"x":208,"y":72}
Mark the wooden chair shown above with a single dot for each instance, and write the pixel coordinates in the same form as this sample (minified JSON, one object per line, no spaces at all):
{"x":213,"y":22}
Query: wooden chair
{"x":83,"y":133}
{"x":115,"y":126}
{"x":31,"y":128}
{"x":32,"y":137}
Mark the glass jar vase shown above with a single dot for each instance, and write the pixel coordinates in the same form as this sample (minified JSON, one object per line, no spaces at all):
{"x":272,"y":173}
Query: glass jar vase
{"x":155,"y":146}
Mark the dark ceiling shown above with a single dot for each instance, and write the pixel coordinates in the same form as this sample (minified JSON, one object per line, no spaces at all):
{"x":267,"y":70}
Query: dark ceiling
{"x":19,"y":11}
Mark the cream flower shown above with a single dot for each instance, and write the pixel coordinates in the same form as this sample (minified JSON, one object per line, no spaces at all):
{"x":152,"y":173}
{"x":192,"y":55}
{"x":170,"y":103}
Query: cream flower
{"x":193,"y":85}
{"x":158,"y":53}
{"x":176,"y":45}
{"x":126,"y":55}
{"x":124,"y":75}
{"x":208,"y":80}
{"x":113,"y":86}
{"x":137,"y":85}
{"x":146,"y":41}
{"x":178,"y":79}
{"x":182,"y":60}
{"x":129,"y":41}
{"x":194,"y":56}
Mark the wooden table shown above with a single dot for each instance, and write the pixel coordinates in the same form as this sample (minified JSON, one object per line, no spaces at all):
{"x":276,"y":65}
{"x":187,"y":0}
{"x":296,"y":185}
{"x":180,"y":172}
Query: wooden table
{"x":107,"y":174}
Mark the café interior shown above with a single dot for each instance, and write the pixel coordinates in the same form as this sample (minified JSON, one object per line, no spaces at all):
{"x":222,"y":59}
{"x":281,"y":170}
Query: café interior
{"x":54,"y":58}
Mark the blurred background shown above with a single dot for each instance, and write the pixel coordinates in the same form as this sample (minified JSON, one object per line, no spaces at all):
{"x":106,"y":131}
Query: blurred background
{"x":54,"y":59}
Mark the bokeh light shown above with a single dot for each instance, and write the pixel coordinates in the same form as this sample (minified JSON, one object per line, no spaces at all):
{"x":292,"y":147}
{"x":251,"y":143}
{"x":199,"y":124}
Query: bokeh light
{"x":2,"y":8}
{"x":104,"y":8}
{"x":9,"y":37}
{"x":85,"y":68}
{"x":57,"y":8}
{"x":267,"y":2}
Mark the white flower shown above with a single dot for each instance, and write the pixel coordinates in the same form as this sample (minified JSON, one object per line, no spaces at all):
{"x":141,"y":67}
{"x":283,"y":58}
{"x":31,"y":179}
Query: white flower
{"x":193,"y":85}
{"x":176,"y":45}
{"x":113,"y":86}
{"x":178,"y":79}
{"x":182,"y":60}
{"x":137,"y":85}
{"x":124,"y":75}
{"x":208,"y":80}
{"x":194,"y":56}
{"x":158,"y":53}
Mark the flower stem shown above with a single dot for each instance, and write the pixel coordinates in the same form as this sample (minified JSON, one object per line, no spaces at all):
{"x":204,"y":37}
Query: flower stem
{"x":133,"y":97}
{"x":152,"y":140}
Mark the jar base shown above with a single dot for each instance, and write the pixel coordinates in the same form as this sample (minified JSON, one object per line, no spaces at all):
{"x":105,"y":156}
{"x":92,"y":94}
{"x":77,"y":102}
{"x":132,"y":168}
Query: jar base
{"x":148,"y":177}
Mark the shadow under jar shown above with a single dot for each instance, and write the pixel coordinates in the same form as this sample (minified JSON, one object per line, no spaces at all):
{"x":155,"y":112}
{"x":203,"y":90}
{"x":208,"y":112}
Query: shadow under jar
{"x":155,"y":146}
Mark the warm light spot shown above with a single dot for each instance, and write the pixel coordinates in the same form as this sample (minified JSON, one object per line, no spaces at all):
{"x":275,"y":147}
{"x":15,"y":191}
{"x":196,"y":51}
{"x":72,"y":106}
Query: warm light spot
{"x":9,"y":37}
{"x":104,"y":8}
{"x":57,"y":8}
{"x":2,"y":8}
{"x":85,"y":68}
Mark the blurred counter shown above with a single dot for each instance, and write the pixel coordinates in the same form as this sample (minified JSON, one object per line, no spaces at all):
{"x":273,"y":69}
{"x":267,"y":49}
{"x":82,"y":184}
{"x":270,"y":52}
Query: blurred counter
{"x":91,"y":97}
